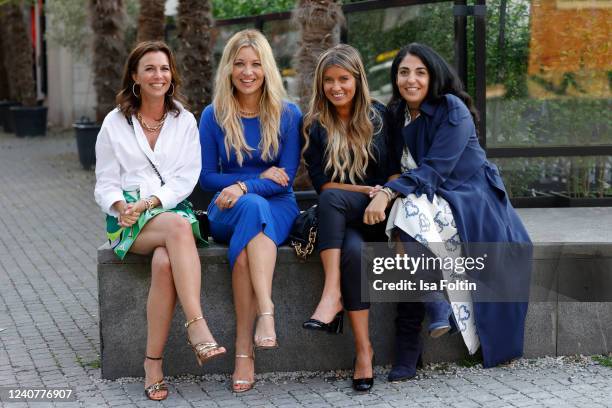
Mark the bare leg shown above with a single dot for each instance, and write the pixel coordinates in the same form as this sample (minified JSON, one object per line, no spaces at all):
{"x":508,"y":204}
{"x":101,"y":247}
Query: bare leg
{"x":246,"y":308}
{"x":173,"y":232}
{"x":160,"y":308}
{"x":363,"y":347}
{"x":261,"y":254}
{"x":331,"y":299}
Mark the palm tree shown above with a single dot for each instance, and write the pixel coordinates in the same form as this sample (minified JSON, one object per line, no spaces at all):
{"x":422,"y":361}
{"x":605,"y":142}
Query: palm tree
{"x":319,"y":22}
{"x":194,"y":22}
{"x":18,"y":53}
{"x":107,"y":17}
{"x":151,"y":22}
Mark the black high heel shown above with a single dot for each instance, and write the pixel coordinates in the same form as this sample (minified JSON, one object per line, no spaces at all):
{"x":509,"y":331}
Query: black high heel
{"x":363,"y":384}
{"x":333,"y":327}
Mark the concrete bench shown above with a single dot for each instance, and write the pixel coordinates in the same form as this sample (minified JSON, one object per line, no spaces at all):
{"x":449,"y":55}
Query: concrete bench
{"x":568,"y":242}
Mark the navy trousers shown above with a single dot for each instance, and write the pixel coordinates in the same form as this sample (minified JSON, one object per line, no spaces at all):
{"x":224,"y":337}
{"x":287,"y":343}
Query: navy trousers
{"x":341,"y":226}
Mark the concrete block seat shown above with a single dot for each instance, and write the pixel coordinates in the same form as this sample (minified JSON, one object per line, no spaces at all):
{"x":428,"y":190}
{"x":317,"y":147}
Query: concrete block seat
{"x":568,"y":242}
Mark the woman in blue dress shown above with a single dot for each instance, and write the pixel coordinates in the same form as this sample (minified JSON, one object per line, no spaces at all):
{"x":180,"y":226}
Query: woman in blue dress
{"x":443,"y":175}
{"x":250,"y":153}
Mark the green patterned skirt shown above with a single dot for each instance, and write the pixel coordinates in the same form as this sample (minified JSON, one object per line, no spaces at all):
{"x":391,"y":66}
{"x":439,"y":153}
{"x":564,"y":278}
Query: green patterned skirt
{"x":122,"y":238}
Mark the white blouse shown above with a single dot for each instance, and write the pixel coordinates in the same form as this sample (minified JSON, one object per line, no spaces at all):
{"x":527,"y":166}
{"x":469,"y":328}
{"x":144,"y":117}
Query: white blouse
{"x":121,"y":160}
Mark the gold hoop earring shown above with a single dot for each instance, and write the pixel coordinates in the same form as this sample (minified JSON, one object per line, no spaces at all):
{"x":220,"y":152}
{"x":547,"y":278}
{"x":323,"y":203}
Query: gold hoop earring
{"x":134,"y":91}
{"x":170,"y":94}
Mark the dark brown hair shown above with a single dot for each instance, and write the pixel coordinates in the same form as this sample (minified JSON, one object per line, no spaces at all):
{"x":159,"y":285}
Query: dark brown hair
{"x":127,"y":102}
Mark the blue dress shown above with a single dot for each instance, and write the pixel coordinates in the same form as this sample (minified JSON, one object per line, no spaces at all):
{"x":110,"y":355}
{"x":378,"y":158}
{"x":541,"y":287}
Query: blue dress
{"x":451,"y":164}
{"x":268,"y":207}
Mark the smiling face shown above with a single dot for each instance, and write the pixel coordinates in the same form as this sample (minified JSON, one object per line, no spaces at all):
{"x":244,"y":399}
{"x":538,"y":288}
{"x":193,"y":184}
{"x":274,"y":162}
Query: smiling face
{"x":247,"y":72}
{"x":412,"y":80}
{"x":339,"y":86}
{"x":153,"y":75}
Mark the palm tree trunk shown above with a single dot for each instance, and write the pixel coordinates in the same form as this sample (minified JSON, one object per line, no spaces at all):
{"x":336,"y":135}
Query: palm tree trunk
{"x":151,"y":21}
{"x":18,"y":54}
{"x":194,"y":22}
{"x":319,"y":22}
{"x":107,"y":17}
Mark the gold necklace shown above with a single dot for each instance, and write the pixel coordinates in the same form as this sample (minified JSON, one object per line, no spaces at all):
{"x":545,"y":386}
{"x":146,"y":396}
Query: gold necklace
{"x":248,"y":114}
{"x":150,"y":128}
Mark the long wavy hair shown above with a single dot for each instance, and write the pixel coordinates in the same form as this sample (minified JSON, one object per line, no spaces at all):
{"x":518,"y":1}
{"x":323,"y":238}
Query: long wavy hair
{"x":349,"y":146}
{"x":270,"y":103}
{"x":442,"y":80}
{"x":127,"y":102}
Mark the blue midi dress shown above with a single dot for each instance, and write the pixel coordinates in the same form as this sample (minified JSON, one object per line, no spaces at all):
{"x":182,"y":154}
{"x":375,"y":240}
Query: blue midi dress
{"x":267,"y":207}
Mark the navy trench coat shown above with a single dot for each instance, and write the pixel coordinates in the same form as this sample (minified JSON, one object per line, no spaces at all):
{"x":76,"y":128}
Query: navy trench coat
{"x":451,"y":163}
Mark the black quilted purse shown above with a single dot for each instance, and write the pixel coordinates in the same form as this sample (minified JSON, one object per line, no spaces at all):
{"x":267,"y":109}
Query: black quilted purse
{"x":303,"y":235}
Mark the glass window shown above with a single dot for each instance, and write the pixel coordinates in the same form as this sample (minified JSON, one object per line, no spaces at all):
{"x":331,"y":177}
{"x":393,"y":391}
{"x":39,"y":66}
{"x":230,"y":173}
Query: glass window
{"x":548,"y":73}
{"x":379,"y":34}
{"x":576,"y":177}
{"x":283,"y":37}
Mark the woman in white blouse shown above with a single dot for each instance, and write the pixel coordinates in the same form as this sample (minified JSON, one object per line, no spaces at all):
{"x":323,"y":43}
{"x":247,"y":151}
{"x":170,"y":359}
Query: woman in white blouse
{"x":148,"y":162}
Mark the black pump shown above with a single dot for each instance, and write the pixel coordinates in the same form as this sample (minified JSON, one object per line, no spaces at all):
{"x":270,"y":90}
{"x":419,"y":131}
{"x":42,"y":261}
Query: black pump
{"x":333,"y":327}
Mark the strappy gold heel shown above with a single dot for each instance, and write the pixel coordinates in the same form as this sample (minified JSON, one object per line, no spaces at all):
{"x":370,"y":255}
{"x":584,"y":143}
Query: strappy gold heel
{"x":152,"y":390}
{"x":204,"y":351}
{"x":237,"y":383}
{"x":263,"y":343}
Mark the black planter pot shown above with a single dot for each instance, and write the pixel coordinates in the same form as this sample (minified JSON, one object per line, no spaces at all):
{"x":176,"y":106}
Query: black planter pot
{"x":29,"y":120}
{"x":6,"y":120}
{"x":86,"y":136}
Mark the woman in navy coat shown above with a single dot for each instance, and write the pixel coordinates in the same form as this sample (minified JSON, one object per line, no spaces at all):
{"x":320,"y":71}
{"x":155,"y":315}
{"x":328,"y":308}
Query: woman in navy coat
{"x":440,"y":164}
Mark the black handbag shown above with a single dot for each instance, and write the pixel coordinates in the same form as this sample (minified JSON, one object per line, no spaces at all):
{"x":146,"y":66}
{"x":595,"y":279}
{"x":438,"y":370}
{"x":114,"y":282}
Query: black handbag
{"x":203,"y":223}
{"x":303,"y":235}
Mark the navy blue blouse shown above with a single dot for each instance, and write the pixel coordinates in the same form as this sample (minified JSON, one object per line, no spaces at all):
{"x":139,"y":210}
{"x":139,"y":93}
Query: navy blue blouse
{"x":376,"y":172}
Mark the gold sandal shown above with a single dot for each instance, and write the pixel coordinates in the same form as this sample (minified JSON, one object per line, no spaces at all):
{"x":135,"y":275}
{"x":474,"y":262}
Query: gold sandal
{"x":156,"y":387}
{"x":204,"y":351}
{"x":249,"y":384}
{"x":261,"y":343}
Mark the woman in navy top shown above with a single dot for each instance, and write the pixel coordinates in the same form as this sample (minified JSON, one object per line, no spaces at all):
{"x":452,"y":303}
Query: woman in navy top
{"x":442,"y":174}
{"x":250,"y":154}
{"x":344,"y":152}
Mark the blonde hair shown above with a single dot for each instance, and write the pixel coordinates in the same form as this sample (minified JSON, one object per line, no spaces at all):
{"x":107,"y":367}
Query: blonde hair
{"x":349,"y":147}
{"x":226,"y":105}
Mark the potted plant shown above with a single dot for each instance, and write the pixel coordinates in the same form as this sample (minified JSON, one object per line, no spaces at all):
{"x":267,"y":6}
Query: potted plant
{"x":29,"y":119}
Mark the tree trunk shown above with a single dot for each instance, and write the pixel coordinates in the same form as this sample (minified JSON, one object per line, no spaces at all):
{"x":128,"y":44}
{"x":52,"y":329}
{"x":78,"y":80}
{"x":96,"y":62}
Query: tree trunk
{"x":109,"y":54}
{"x":194,"y":23}
{"x":319,"y":22}
{"x":152,"y":20}
{"x":18,"y":54}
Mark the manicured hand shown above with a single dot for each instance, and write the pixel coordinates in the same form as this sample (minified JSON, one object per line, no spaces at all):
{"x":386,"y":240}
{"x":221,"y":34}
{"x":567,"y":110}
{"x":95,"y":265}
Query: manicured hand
{"x":130,"y":214}
{"x":229,"y":196}
{"x":374,"y":190}
{"x":277,"y":175}
{"x":375,"y":211}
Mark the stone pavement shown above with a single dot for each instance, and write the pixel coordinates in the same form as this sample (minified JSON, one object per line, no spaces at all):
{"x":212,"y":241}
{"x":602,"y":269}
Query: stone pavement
{"x":49,"y":231}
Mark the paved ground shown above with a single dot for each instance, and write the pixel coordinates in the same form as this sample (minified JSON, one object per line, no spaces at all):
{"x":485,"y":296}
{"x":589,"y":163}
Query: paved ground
{"x":49,"y":231}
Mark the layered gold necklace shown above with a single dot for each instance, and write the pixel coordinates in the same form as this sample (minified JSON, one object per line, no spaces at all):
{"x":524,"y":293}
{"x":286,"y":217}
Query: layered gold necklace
{"x":150,"y":128}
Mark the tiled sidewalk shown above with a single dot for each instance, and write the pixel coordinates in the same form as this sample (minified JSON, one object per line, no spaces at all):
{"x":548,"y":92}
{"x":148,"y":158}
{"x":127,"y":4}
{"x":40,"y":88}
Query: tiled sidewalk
{"x":49,"y":231}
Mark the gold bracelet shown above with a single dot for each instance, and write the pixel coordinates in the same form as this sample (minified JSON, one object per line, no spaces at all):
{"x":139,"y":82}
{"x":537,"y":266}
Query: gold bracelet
{"x":390,"y":194}
{"x":242,"y":186}
{"x":149,"y":203}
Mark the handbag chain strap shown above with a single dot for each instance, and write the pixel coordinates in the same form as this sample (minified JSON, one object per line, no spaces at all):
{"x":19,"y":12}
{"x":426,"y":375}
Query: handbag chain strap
{"x":309,"y":248}
{"x":129,"y":120}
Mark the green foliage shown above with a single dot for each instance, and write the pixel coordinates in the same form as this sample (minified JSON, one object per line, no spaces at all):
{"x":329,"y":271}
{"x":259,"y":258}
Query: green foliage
{"x":223,"y":9}
{"x":605,"y":361}
{"x":68,"y":25}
